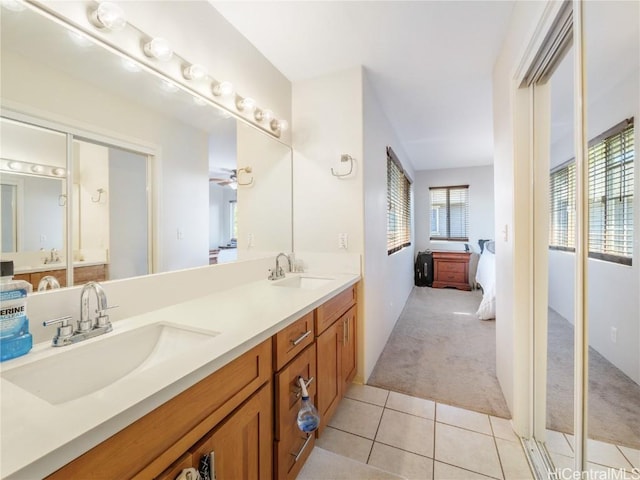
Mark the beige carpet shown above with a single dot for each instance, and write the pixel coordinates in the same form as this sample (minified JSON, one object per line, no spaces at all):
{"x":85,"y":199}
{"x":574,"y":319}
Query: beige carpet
{"x":614,"y":399}
{"x":440,"y":350}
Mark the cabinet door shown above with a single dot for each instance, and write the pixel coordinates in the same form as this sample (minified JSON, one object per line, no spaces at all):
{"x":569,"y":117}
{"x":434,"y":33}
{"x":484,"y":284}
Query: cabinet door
{"x":242,"y":445}
{"x":328,"y":366}
{"x":348,"y":370}
{"x":292,"y":447}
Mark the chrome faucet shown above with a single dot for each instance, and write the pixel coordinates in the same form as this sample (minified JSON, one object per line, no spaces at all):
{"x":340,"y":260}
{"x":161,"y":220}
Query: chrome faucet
{"x":53,"y":257}
{"x":48,"y":281}
{"x":278,"y":272}
{"x":88,"y":327}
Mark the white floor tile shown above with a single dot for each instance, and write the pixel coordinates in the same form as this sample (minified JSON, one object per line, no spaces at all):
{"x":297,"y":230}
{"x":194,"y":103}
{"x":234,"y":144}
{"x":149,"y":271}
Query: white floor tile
{"x":459,"y":417}
{"x":345,"y":444}
{"x":632,"y":455}
{"x":401,"y":462}
{"x":558,"y":443}
{"x":502,"y":429}
{"x":606,"y":454}
{"x":562,"y":462}
{"x":323,"y":465}
{"x":442,"y":471}
{"x":407,"y":432}
{"x":366,"y":393}
{"x":356,"y":417}
{"x":466,"y":449}
{"x":514,"y":462}
{"x":412,"y":405}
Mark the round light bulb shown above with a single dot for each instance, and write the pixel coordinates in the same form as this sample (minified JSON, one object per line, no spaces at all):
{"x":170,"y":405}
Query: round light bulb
{"x":279,"y":125}
{"x":110,"y":16}
{"x":194,"y":72}
{"x":263,"y":115}
{"x":37,"y":168}
{"x":246,"y":105}
{"x":58,"y":171}
{"x":222,"y":89}
{"x":14,"y":165}
{"x":158,"y":48}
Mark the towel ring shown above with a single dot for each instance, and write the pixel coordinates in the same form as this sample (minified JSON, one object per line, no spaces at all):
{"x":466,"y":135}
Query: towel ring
{"x":345,"y":157}
{"x":245,"y":170}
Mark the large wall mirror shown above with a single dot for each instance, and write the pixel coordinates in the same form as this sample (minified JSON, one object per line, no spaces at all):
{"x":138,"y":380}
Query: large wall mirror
{"x":110,"y":171}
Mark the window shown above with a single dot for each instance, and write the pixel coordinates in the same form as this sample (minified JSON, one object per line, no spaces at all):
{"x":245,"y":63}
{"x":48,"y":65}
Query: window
{"x":611,"y":184}
{"x":562,"y":189}
{"x":450,"y":213}
{"x":233,"y":218}
{"x":398,"y":205}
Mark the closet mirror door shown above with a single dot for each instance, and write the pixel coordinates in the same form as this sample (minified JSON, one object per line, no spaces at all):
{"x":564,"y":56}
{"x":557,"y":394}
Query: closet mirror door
{"x":561,"y":219}
{"x":612,"y":56}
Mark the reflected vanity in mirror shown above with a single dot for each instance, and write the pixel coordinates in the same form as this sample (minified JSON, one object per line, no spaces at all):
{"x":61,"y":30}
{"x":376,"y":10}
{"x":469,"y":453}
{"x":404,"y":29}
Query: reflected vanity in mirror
{"x":149,"y":178}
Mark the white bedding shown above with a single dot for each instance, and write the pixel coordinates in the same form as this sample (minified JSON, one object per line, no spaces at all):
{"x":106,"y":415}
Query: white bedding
{"x":486,"y":277}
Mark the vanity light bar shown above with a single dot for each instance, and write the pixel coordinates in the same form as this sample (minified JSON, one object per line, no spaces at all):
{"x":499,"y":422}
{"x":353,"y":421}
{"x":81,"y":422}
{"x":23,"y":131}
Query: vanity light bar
{"x":110,"y":17}
{"x":8,"y":165}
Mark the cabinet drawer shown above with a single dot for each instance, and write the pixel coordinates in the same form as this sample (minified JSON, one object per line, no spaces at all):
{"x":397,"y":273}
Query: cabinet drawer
{"x":451,"y":267}
{"x":452,"y":277}
{"x":291,"y":453}
{"x":292,"y":340}
{"x":332,"y":309}
{"x":288,"y":390}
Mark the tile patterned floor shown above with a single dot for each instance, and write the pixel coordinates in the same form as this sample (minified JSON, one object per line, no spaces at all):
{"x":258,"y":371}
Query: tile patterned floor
{"x":420,"y":439}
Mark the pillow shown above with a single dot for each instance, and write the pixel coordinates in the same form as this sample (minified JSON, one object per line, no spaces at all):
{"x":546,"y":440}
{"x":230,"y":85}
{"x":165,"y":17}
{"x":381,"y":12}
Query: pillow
{"x":490,"y":246}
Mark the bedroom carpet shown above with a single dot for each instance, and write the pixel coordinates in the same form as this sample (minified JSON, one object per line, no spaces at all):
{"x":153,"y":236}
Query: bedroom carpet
{"x":440,"y":350}
{"x":614,"y":399}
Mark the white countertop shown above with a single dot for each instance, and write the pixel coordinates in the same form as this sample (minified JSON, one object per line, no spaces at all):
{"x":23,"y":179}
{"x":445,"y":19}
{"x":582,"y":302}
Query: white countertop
{"x":37,"y":437}
{"x":45,"y":267}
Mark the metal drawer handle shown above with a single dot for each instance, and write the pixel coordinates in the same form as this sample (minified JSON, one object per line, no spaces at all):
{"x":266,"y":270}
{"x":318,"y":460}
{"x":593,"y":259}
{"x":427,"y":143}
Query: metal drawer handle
{"x":301,"y":338}
{"x":299,"y":454}
{"x":306,"y":384}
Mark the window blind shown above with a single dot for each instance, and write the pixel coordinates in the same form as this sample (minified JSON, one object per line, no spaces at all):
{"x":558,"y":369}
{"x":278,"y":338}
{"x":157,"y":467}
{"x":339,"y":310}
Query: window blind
{"x":398,"y":205}
{"x":450,"y":213}
{"x":562,"y":189}
{"x":611,"y":195}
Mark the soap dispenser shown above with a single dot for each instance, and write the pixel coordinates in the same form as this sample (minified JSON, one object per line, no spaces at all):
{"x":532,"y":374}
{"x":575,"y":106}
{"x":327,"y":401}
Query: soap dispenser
{"x":308,"y":417}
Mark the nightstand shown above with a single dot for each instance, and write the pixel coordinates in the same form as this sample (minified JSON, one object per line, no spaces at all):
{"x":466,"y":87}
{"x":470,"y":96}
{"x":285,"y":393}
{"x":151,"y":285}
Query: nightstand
{"x":451,"y":269}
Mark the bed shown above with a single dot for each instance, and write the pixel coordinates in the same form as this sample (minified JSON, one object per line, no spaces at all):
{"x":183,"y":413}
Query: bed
{"x":486,"y":279}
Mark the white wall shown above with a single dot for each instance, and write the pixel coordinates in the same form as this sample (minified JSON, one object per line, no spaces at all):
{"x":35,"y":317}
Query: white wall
{"x":481,"y":205}
{"x":512,"y":217}
{"x":388,"y":279}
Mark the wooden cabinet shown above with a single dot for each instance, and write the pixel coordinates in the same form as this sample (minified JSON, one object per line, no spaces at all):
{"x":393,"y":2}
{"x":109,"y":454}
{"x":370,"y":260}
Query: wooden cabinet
{"x":336,"y":353}
{"x":241,"y":446}
{"x":81,"y":275}
{"x":451,"y":269}
{"x":292,"y":446}
{"x":151,"y":445}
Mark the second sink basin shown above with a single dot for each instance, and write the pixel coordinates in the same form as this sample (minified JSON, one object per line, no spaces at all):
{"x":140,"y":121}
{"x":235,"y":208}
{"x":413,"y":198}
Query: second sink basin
{"x":88,"y":368}
{"x":303,"y":281}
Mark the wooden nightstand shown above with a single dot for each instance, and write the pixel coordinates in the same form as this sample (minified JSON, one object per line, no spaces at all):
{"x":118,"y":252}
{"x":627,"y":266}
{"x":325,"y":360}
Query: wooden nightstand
{"x":451,"y":269}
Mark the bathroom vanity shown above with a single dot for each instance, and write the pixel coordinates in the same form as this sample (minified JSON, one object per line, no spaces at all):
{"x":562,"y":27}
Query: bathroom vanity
{"x":233,"y":392}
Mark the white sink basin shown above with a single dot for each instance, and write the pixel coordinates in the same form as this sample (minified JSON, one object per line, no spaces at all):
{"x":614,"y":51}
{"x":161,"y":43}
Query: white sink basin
{"x":303,"y":281}
{"x":84,"y":369}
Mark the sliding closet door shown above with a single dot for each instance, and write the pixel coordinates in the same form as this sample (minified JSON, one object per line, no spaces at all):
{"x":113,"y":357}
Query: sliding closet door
{"x":560,"y":245}
{"x":612,"y":58}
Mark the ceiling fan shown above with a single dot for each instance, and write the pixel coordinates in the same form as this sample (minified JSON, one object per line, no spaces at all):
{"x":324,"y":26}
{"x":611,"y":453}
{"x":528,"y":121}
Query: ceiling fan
{"x":232,"y":179}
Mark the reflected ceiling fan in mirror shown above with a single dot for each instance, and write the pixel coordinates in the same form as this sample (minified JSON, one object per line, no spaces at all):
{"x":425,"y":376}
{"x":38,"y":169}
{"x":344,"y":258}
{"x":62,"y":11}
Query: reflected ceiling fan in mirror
{"x":230,"y":177}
